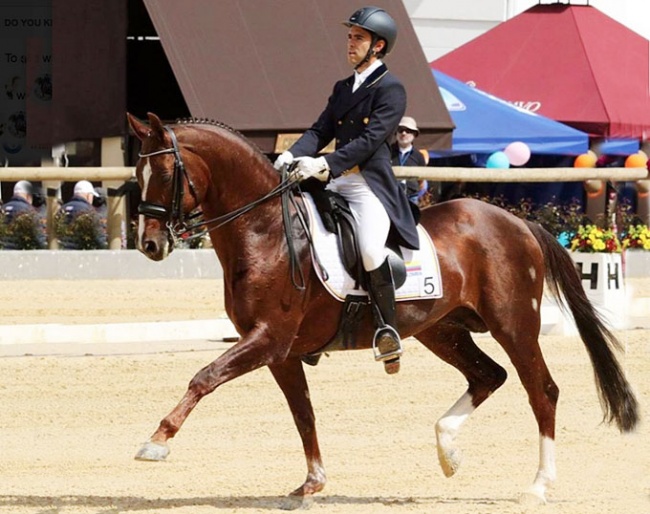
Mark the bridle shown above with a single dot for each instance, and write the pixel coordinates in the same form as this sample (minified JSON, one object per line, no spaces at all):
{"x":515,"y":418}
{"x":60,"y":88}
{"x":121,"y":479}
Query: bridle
{"x":177,"y":222}
{"x":180,"y":227}
{"x":175,"y":217}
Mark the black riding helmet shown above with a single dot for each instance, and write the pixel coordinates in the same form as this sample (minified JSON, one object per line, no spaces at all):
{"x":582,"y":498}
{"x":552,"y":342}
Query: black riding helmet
{"x":378,"y":22}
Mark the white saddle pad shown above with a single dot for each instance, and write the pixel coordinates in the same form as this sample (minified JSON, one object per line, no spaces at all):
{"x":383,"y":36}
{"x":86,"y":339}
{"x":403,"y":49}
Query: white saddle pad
{"x":423,"y":280}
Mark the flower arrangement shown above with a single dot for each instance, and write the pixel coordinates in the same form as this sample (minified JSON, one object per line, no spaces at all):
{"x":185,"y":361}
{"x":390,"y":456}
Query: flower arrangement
{"x":569,"y":224}
{"x":636,"y":237}
{"x":591,"y":239}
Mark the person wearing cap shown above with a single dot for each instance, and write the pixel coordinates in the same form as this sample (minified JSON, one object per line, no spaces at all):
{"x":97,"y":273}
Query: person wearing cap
{"x":18,"y":234}
{"x":361,"y":115}
{"x":404,"y":153}
{"x":81,"y":203}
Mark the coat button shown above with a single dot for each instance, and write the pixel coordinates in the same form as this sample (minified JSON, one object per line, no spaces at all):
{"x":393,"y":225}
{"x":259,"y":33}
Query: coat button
{"x":340,"y":122}
{"x":365,"y":121}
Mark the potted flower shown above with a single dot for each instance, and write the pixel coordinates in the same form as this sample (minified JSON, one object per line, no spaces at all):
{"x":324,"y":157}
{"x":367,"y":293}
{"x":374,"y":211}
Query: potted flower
{"x":597,"y":253}
{"x":593,"y":239}
{"x":636,"y":237}
{"x":636,"y":244}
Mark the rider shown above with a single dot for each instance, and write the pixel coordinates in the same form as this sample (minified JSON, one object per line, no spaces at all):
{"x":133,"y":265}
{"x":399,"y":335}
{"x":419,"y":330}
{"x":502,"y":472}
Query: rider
{"x":362,"y":114}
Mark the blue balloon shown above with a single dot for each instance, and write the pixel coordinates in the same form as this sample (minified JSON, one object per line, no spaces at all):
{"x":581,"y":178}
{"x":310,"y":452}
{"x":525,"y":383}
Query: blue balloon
{"x":498,"y":160}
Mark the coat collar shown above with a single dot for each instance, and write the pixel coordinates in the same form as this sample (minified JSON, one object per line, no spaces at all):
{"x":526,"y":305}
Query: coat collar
{"x":350,"y":99}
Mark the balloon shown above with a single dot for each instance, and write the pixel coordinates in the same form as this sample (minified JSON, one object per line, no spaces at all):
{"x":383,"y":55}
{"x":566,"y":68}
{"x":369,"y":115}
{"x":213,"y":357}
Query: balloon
{"x":585,"y":160}
{"x":498,"y":160}
{"x":518,"y":153}
{"x":636,"y":160}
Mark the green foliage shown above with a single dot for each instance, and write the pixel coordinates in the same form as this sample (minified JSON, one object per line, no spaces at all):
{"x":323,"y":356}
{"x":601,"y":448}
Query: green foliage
{"x":554,"y":217}
{"x":81,"y":233}
{"x":576,"y":231}
{"x":25,"y":232}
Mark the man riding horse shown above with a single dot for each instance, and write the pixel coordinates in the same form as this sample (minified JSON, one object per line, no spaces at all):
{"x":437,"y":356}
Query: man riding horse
{"x":361,"y":115}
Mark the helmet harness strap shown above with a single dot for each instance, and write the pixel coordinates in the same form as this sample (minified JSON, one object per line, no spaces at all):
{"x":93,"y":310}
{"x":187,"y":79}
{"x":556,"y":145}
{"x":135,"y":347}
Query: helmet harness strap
{"x":370,"y":52}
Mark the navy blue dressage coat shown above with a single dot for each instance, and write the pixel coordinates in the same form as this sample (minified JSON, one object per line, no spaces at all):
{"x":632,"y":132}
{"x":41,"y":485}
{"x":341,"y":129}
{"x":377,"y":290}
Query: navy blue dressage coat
{"x":362,"y":123}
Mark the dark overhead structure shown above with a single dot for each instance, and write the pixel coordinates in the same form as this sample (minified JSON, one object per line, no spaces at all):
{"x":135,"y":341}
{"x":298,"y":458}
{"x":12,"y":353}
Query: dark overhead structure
{"x":267,"y":68}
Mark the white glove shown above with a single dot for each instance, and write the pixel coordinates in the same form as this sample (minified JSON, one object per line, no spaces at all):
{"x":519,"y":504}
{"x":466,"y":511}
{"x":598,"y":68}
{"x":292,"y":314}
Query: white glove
{"x":312,"y":167}
{"x":284,"y":159}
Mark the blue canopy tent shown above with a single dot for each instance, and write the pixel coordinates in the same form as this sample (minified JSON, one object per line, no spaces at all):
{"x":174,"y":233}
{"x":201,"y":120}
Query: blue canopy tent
{"x":486,"y":124}
{"x":619,"y":146}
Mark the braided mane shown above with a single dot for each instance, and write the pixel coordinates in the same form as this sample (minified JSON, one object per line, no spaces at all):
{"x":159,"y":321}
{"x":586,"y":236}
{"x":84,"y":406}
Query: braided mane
{"x":219,"y":124}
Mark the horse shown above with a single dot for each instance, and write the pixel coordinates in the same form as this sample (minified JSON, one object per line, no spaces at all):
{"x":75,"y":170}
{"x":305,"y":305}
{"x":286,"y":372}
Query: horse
{"x":494,"y":266}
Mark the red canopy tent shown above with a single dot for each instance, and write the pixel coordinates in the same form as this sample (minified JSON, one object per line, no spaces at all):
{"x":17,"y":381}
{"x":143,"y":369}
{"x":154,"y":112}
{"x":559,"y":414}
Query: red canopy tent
{"x":571,"y":63}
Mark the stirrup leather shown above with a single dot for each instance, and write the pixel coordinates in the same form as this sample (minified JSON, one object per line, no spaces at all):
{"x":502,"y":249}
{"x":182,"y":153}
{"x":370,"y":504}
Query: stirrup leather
{"x":391,"y":354}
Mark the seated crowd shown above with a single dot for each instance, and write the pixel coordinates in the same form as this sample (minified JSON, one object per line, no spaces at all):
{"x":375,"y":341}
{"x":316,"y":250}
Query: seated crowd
{"x":78,"y":223}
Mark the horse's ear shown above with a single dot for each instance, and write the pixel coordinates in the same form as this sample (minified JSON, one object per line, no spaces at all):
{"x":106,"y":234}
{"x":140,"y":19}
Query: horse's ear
{"x":140,"y":129}
{"x":157,"y":128}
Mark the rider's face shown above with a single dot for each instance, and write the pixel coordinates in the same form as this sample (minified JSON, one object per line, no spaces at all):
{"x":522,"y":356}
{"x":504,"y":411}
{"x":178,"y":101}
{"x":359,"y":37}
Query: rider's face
{"x":359,"y":41}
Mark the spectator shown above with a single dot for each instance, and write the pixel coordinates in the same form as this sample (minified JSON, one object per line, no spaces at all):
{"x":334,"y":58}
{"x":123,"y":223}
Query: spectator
{"x":404,"y":153}
{"x":22,"y":226}
{"x":79,"y":226}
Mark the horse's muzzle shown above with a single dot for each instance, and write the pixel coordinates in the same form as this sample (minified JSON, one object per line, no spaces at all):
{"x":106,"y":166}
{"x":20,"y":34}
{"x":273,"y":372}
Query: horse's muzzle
{"x":154,"y":242}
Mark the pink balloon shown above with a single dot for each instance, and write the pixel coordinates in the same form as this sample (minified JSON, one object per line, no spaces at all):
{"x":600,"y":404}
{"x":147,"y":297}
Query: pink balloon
{"x":518,"y":153}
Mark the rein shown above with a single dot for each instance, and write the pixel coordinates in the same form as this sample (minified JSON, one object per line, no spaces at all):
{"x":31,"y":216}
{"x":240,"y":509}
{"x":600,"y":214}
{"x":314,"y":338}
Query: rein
{"x":179,"y":229}
{"x":176,"y":224}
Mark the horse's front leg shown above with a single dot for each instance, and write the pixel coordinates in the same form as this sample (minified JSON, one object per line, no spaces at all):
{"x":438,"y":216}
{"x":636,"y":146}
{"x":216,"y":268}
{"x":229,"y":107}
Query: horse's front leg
{"x":290,"y":376}
{"x":254,"y":350}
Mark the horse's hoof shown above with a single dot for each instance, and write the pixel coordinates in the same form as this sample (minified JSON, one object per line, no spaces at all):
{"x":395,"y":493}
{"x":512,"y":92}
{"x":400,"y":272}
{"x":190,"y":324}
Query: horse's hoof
{"x":449,"y":461}
{"x":151,"y":451}
{"x":391,"y":366}
{"x":533,"y":497}
{"x":295,"y":502}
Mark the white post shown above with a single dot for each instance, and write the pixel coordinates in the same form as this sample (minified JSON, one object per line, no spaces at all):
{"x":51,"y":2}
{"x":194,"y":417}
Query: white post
{"x":117,"y":219}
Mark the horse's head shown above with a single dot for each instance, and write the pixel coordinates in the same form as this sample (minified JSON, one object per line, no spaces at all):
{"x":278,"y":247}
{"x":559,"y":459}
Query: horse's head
{"x":169,"y":192}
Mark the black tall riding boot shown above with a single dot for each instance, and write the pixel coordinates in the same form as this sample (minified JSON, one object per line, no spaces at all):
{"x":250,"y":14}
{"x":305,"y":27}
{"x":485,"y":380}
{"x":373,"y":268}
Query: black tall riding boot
{"x":386,"y":343}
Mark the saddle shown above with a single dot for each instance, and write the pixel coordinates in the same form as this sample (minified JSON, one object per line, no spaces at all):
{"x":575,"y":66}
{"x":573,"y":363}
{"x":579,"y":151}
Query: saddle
{"x":338,"y":219}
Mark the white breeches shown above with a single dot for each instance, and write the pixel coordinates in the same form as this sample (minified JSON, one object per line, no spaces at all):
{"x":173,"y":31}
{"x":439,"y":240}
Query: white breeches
{"x":372,"y":220}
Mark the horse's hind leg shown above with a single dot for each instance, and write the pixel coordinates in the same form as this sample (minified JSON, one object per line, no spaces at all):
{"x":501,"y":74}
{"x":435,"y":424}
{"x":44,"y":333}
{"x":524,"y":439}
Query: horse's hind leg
{"x":522,"y":347}
{"x":290,"y":376}
{"x":455,"y":346}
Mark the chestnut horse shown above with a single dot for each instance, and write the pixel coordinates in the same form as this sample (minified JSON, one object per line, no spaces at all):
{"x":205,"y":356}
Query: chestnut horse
{"x":493,"y":266}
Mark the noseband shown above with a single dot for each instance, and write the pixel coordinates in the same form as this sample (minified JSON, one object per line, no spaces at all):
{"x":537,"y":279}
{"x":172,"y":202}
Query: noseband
{"x":175,"y":218}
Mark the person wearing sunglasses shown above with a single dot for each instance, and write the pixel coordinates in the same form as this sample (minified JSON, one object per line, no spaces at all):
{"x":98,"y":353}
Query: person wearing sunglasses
{"x":404,"y":153}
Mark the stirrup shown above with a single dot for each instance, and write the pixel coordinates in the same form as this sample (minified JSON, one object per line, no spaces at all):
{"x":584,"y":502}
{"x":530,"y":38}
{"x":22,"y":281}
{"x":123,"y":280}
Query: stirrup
{"x":390,"y":340}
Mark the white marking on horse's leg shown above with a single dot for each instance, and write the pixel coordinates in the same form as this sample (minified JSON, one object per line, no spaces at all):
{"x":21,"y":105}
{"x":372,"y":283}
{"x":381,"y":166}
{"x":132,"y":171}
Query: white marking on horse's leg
{"x":546,"y":473}
{"x":535,"y":305}
{"x":146,"y":176}
{"x":532,"y":273}
{"x":152,"y":452}
{"x":447,"y":428}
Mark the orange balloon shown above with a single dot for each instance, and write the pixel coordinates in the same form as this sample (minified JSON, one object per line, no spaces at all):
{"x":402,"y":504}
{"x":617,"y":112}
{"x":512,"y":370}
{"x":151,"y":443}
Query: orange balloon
{"x":636,"y":160}
{"x":585,"y":160}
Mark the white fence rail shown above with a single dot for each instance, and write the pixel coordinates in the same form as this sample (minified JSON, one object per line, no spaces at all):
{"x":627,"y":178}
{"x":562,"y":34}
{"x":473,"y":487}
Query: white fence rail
{"x":114,"y":177}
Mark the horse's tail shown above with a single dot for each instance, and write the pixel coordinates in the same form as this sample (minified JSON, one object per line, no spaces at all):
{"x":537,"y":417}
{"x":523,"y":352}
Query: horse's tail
{"x":616,"y":397}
